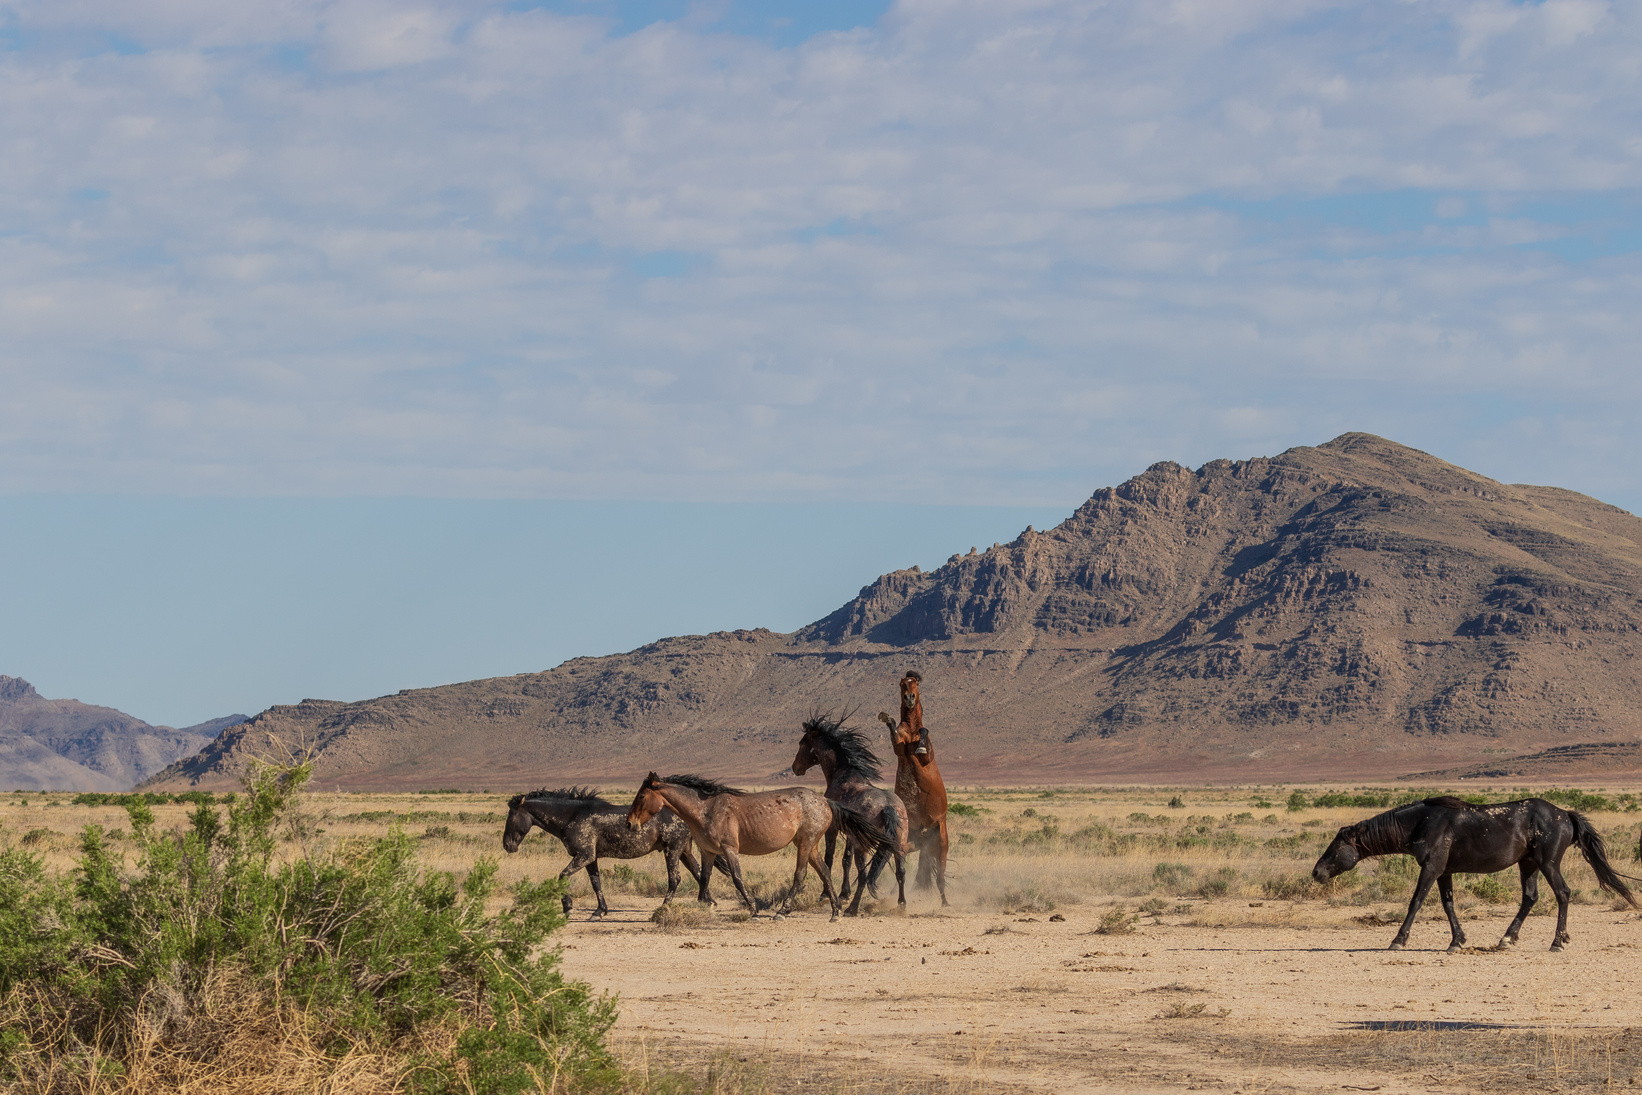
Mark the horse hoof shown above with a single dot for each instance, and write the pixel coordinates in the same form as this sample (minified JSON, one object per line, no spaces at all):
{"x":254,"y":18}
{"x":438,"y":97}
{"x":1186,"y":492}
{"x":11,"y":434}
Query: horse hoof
{"x":1508,"y":941}
{"x":1556,"y":947}
{"x":1454,"y":948}
{"x":1395,"y":947}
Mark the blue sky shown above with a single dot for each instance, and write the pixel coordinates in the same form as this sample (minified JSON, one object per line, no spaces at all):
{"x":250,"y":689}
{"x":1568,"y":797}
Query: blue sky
{"x":969,"y":254}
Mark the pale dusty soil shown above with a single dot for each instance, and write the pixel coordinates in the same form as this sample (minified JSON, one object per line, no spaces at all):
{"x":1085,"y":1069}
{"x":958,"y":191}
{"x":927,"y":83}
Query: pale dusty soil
{"x":1046,"y":1006}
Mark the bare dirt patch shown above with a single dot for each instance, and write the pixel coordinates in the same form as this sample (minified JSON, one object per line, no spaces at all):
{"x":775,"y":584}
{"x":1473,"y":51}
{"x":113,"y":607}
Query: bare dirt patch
{"x":938,"y":1004}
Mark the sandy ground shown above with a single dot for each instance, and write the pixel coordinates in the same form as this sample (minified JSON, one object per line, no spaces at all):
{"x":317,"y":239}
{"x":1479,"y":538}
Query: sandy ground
{"x":966,"y":1001}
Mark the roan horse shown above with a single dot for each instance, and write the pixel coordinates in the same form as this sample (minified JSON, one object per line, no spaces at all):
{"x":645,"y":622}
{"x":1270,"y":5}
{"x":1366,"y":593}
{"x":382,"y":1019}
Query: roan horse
{"x":728,"y":823}
{"x":918,"y":783}
{"x":850,"y":767}
{"x":1448,"y":836}
{"x":590,"y":827}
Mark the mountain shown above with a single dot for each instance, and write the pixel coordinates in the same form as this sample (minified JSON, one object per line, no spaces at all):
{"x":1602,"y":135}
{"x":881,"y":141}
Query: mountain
{"x":66,"y":745}
{"x":1355,"y":610}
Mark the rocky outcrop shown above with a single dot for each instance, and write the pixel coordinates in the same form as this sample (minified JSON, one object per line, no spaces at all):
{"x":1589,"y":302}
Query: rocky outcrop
{"x":1358,"y":608}
{"x":67,"y":745}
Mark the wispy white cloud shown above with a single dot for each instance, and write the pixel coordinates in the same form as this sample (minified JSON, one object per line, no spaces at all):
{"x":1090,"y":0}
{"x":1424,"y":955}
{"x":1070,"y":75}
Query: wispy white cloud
{"x":998,"y":251}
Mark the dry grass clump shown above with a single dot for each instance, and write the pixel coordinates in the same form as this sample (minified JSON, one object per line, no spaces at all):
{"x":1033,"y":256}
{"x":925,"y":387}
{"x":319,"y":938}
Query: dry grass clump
{"x":683,"y":916}
{"x":239,"y":1039}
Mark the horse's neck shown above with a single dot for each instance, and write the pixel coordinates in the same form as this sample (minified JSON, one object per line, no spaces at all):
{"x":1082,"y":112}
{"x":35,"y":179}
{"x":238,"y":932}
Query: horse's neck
{"x":551,"y":820}
{"x":689,"y":806}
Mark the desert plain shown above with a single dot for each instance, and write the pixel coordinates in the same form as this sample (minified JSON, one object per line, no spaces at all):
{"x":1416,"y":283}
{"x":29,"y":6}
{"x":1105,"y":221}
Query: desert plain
{"x":1098,"y":939}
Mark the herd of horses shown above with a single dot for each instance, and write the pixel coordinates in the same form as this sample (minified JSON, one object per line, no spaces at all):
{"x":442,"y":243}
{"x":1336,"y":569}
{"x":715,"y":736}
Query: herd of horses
{"x":1445,"y":835}
{"x":672,"y":814}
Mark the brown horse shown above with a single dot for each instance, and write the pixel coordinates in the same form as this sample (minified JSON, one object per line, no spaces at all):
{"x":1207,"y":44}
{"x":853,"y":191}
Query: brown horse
{"x":727,"y":823}
{"x":850,"y":767}
{"x":918,"y":782}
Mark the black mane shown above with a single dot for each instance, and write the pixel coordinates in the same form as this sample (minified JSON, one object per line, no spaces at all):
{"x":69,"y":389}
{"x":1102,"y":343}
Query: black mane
{"x":703,"y":786}
{"x":563,"y":794}
{"x":848,"y":743}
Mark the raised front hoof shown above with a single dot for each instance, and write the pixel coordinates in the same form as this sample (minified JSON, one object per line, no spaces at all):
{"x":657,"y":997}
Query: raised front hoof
{"x":1395,"y":946}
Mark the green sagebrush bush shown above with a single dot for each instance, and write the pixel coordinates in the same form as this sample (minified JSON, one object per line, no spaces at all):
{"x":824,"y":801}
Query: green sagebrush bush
{"x":374,"y":950}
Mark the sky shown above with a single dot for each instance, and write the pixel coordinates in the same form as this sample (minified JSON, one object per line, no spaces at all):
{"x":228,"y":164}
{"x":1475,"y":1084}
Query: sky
{"x":262,"y":262}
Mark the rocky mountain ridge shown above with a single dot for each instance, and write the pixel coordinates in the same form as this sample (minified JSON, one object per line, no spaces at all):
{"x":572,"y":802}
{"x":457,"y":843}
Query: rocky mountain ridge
{"x":1357,"y":609}
{"x":66,"y":745}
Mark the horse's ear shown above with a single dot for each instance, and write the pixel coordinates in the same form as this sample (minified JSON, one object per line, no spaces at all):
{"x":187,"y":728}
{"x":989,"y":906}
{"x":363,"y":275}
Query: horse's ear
{"x":650,"y":781}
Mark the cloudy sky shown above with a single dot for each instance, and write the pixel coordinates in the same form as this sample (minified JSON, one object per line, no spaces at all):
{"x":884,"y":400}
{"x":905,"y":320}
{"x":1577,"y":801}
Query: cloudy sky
{"x":963,"y":253}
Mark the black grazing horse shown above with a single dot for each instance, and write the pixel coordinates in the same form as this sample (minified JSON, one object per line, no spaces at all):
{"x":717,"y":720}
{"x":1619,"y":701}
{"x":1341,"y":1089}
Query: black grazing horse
{"x":850,"y":767}
{"x":1447,"y":836}
{"x":590,"y":827}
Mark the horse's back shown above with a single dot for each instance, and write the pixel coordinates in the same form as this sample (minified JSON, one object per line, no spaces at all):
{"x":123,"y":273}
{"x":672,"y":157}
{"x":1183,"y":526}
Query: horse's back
{"x":1488,"y":837}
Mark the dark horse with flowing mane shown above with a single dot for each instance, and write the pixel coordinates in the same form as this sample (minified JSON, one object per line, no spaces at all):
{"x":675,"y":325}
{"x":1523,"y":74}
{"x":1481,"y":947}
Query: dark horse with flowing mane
{"x":590,"y":827}
{"x":1448,"y":836}
{"x":850,"y":767}
{"x":729,"y":823}
{"x":918,"y":783}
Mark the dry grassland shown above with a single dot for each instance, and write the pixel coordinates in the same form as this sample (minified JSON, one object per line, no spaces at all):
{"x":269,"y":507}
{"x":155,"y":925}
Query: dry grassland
{"x":1100,"y":939}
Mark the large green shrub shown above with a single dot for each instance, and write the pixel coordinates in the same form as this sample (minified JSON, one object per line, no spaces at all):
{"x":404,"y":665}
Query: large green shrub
{"x":372,"y":949}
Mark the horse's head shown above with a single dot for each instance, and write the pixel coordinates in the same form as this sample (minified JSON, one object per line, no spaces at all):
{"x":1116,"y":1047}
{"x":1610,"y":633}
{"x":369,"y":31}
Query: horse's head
{"x":647,"y":803}
{"x":807,"y":756}
{"x":1342,"y":855}
{"x":519,"y":821}
{"x":909,"y":691}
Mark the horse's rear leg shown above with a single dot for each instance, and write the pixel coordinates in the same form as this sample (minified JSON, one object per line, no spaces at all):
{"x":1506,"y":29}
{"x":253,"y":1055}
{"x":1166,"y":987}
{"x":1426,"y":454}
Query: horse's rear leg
{"x":826,"y":879}
{"x":673,"y":876}
{"x":1530,"y":895}
{"x":808,"y":856}
{"x":940,"y":863}
{"x":598,"y":891}
{"x":1445,"y":887}
{"x":832,"y":847}
{"x":1422,"y":890}
{"x":860,"y":877}
{"x":1559,"y":886}
{"x":901,"y":879}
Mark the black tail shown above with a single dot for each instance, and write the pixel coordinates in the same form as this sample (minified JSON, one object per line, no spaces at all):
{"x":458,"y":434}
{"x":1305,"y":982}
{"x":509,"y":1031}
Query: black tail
{"x":857,"y":826}
{"x":1596,"y":854}
{"x":892,"y":829}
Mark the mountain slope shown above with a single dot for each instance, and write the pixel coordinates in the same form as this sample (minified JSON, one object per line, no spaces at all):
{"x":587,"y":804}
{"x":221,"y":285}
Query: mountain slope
{"x":72,"y":746}
{"x":1355,"y":609}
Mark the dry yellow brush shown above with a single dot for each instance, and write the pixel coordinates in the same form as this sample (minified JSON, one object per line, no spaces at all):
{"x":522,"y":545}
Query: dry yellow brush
{"x":212,"y":964}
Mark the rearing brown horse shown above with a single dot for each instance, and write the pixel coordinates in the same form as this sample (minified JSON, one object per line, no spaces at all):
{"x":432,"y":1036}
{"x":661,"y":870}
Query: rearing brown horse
{"x":918,"y":782}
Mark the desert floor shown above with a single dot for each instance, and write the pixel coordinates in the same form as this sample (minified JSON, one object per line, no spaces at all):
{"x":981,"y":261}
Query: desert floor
{"x":1191,"y":951}
{"x":965,"y":1001}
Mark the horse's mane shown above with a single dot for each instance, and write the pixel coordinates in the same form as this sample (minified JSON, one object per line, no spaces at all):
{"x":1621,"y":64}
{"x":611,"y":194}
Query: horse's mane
{"x":915,"y":675}
{"x":848,"y":742}
{"x":702,"y":786}
{"x":562,"y":794}
{"x":1382,"y":834}
{"x":1449,"y":802}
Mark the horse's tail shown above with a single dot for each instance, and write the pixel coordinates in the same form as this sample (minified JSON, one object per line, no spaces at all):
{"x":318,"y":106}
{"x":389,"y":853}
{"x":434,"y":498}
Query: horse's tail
{"x":1596,"y":854}
{"x":892,"y":828}
{"x":857,"y":826}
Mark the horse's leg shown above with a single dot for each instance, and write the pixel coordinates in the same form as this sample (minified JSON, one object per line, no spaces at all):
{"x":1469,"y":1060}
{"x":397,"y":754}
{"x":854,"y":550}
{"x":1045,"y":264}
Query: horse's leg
{"x":832,"y":848}
{"x":901,"y":878}
{"x":1445,"y":887}
{"x":1422,"y":889}
{"x":806,"y":851}
{"x":734,"y":861}
{"x":673,"y":855}
{"x":577,"y":861}
{"x":826,"y":881}
{"x":1530,"y":894}
{"x":860,"y":878}
{"x":940,"y":864}
{"x":1559,"y":886}
{"x":598,"y":890}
